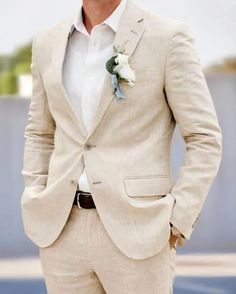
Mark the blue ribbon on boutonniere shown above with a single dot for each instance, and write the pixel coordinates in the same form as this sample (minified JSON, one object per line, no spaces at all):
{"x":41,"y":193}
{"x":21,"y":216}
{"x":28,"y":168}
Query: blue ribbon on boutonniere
{"x":115,"y":85}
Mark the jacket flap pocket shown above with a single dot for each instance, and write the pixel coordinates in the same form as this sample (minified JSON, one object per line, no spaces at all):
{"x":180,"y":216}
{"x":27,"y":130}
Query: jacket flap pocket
{"x":147,"y":185}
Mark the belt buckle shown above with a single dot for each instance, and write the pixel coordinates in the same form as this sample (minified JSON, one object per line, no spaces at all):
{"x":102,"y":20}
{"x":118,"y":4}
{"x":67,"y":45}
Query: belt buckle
{"x":77,"y":198}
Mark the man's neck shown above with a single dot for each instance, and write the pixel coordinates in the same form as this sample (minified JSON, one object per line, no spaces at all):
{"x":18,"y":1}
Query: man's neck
{"x":96,"y":11}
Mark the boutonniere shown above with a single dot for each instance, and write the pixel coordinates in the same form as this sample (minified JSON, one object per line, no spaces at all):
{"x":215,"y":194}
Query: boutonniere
{"x":119,"y":68}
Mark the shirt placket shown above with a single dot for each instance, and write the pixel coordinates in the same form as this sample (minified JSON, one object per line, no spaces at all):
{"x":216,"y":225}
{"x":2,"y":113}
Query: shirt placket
{"x":88,"y":96}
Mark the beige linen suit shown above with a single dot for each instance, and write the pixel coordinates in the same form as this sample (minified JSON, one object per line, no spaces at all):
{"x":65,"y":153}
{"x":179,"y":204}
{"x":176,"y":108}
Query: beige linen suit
{"x":127,"y":151}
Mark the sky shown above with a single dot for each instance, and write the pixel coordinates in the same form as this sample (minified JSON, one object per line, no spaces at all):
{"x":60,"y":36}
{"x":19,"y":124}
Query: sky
{"x":212,"y":21}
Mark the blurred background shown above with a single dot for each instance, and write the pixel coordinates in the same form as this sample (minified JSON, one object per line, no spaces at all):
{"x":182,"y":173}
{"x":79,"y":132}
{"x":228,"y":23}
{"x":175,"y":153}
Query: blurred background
{"x":207,"y":262}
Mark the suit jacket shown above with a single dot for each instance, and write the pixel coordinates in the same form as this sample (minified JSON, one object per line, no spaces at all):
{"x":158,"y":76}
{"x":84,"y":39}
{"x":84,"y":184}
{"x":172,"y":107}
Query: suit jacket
{"x":127,"y":151}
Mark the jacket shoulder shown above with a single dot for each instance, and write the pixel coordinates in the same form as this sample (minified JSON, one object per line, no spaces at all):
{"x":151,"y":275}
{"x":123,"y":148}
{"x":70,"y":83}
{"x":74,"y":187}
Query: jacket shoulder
{"x":163,"y":25}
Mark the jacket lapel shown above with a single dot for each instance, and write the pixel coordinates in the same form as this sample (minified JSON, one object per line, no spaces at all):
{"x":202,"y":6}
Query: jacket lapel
{"x":59,"y":51}
{"x":129,"y":32}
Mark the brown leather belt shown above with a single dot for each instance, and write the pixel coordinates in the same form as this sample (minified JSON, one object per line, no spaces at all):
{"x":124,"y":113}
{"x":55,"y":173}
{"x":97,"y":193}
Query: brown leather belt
{"x":83,"y":200}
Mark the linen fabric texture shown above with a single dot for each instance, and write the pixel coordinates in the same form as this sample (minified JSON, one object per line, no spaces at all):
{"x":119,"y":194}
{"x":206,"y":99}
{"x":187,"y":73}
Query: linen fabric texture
{"x":127,"y":149}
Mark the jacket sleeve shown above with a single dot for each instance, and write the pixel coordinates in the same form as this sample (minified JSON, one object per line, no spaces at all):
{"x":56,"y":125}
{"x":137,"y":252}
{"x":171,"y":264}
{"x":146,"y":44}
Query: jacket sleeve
{"x":39,"y":132}
{"x":189,"y":98}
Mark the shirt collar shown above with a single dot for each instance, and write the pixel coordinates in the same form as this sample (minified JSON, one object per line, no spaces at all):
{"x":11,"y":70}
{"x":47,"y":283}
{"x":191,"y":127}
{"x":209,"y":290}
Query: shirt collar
{"x":112,"y":20}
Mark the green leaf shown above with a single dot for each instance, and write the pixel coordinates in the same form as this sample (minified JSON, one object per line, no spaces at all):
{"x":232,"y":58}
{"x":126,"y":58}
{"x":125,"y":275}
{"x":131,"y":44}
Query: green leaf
{"x":110,"y":64}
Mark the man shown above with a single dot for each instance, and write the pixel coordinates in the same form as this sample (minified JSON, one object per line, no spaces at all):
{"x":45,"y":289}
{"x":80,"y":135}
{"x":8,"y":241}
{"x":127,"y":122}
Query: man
{"x":99,"y":198}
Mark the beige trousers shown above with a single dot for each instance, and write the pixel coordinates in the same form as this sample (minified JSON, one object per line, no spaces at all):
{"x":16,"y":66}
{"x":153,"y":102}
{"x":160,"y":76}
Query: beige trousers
{"x":85,"y":260}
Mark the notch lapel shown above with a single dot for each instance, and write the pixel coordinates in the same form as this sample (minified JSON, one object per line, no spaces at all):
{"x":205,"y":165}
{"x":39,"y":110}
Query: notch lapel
{"x":59,"y":51}
{"x":129,"y":32}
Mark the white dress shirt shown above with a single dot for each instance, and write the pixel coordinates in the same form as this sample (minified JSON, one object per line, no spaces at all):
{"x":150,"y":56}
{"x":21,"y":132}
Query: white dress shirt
{"x":84,"y":67}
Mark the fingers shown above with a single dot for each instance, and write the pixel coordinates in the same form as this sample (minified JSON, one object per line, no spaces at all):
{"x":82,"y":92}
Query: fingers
{"x":173,"y":241}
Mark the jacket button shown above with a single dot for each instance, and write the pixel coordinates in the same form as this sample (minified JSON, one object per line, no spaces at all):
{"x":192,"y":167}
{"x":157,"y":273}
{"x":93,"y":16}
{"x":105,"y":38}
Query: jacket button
{"x":73,"y":182}
{"x":89,"y":146}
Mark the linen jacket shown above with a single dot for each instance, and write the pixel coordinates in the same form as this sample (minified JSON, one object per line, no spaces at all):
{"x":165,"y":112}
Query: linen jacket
{"x":127,"y":151}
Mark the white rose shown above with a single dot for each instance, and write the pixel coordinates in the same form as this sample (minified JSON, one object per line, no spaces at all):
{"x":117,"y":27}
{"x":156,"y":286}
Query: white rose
{"x":122,"y":59}
{"x":125,"y":72}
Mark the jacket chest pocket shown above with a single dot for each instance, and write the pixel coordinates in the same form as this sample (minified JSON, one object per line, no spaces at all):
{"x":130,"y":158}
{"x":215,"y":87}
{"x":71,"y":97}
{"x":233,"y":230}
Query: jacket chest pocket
{"x":151,"y":185}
